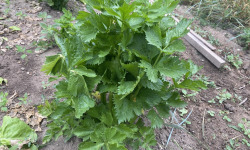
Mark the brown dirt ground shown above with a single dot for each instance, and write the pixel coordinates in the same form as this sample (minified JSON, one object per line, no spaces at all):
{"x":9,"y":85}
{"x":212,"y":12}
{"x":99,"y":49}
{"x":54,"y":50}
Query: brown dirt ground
{"x":24,"y":76}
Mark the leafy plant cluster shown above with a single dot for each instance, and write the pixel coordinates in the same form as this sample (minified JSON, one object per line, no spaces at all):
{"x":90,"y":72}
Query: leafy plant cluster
{"x":3,"y":101}
{"x":235,"y":60}
{"x":56,"y":4}
{"x":23,"y":50}
{"x":117,"y":68}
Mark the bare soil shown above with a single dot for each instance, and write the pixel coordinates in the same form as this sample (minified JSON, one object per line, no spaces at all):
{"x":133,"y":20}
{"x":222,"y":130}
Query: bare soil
{"x":204,"y":132}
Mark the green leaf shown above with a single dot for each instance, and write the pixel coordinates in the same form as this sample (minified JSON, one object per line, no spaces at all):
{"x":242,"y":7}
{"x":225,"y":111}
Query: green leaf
{"x":159,"y":8}
{"x":142,"y":49}
{"x":163,"y":110}
{"x":174,"y":100}
{"x":171,"y":67}
{"x":166,"y":23}
{"x":92,"y":82}
{"x":179,"y":31}
{"x":85,"y":129}
{"x":148,"y":137}
{"x":14,"y":28}
{"x":149,"y":97}
{"x":195,"y":85}
{"x":126,"y":87}
{"x":82,"y":104}
{"x":153,"y":86}
{"x":123,"y":109}
{"x":107,"y":88}
{"x":175,"y":46}
{"x":62,"y":90}
{"x":77,"y":85}
{"x":116,"y":147}
{"x":83,"y":71}
{"x":107,"y":118}
{"x":20,"y":49}
{"x":45,"y":109}
{"x":234,"y":127}
{"x":50,"y":63}
{"x":126,"y":38}
{"x":135,"y":22}
{"x":156,"y":121}
{"x":82,"y":15}
{"x":87,"y":32}
{"x":23,"y":56}
{"x":153,"y":36}
{"x":132,"y":68}
{"x":128,"y":130}
{"x":29,"y":51}
{"x":151,"y":72}
{"x":14,"y":129}
{"x":90,"y":146}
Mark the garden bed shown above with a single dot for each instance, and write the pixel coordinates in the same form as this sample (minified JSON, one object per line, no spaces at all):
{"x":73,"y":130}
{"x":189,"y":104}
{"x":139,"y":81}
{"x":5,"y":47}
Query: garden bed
{"x":205,"y":130}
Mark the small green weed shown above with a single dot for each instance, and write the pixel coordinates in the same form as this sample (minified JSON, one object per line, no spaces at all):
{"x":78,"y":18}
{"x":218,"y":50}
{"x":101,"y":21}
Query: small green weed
{"x":205,"y":34}
{"x":233,"y":144}
{"x":20,"y":15}
{"x":3,"y":101}
{"x":44,"y":15}
{"x":183,"y":111}
{"x":212,"y":101}
{"x":227,"y":118}
{"x":186,"y":122}
{"x":235,"y":60}
{"x":224,"y":95}
{"x":47,"y":40}
{"x":211,"y":113}
{"x":207,"y":81}
{"x":7,"y":9}
{"x":21,"y":49}
{"x":24,"y":99}
{"x":245,"y":127}
{"x":237,"y":98}
{"x":14,"y":28}
{"x":45,"y":85}
{"x":186,"y":94}
{"x":244,"y":141}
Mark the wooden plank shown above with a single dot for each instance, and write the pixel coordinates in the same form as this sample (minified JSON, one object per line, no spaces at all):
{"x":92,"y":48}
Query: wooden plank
{"x":204,"y":50}
{"x":202,"y":40}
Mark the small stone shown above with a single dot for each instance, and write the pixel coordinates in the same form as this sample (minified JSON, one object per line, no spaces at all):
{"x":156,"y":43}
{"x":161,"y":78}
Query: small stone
{"x":22,"y":69}
{"x":229,"y":107}
{"x":6,"y":30}
{"x":246,"y":64}
{"x":28,"y":72}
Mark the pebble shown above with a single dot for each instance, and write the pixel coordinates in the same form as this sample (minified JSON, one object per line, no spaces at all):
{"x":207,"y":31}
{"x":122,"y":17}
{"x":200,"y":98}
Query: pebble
{"x":28,"y":72}
{"x":229,"y":107}
{"x":22,"y":69}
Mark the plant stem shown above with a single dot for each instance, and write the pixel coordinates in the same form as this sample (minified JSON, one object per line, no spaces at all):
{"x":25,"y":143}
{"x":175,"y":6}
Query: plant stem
{"x":157,"y":59}
{"x":103,"y":98}
{"x":140,"y":86}
{"x":110,"y":101}
{"x":107,"y":146}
